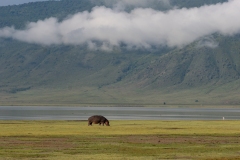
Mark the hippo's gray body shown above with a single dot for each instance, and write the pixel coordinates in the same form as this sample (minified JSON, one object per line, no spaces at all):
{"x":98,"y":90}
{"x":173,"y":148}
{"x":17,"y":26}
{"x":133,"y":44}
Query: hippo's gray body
{"x":98,"y":119}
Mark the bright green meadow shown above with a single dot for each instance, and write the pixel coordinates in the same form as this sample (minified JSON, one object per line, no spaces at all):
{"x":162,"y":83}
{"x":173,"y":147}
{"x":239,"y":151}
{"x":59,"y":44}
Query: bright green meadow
{"x":60,"y":140}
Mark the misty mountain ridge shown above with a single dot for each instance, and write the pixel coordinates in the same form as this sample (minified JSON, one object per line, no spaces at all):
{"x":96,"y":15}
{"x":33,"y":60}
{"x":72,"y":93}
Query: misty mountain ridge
{"x":135,"y":65}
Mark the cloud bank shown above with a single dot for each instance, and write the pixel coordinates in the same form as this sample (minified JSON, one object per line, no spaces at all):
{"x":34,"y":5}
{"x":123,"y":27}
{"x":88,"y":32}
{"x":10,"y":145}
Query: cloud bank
{"x":140,"y":28}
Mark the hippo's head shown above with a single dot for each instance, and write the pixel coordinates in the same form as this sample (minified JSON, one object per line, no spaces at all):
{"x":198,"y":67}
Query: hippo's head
{"x":107,"y":123}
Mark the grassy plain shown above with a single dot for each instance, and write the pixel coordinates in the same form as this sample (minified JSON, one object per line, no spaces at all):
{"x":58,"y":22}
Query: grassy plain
{"x":62,"y":140}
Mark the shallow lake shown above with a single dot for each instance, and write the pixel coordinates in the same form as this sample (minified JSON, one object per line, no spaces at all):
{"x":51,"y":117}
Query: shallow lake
{"x":116,"y":113}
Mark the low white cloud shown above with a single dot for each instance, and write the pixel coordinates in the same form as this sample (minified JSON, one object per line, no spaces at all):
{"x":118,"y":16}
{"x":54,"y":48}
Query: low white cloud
{"x":207,"y":41}
{"x":141,"y":27}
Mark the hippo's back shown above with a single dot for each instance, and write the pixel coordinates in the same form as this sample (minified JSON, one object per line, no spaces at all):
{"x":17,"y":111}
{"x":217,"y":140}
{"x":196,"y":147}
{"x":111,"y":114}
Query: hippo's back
{"x":96,"y":118}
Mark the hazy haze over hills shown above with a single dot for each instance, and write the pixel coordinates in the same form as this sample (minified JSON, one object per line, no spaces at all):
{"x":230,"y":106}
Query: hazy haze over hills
{"x":16,"y":2}
{"x":138,"y":52}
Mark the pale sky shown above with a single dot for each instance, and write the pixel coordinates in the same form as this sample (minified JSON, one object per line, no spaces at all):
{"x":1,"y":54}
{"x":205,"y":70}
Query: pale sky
{"x":16,"y":2}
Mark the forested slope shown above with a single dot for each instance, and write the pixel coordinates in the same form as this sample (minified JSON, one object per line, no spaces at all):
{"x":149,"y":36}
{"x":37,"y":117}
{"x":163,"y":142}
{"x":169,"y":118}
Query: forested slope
{"x":73,"y":74}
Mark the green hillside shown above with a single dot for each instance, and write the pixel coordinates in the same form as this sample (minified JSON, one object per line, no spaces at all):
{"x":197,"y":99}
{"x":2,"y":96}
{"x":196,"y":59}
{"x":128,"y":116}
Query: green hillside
{"x":33,"y":74}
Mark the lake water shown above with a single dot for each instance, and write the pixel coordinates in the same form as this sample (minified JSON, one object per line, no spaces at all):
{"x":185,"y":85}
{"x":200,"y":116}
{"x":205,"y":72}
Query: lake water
{"x":115,"y":113}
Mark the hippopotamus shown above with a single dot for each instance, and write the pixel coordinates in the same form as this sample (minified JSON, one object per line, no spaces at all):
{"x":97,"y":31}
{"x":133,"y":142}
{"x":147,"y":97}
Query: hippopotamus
{"x":98,"y":119}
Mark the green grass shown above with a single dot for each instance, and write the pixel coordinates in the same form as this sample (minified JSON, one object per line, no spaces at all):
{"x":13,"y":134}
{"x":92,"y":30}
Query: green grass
{"x":122,"y":140}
